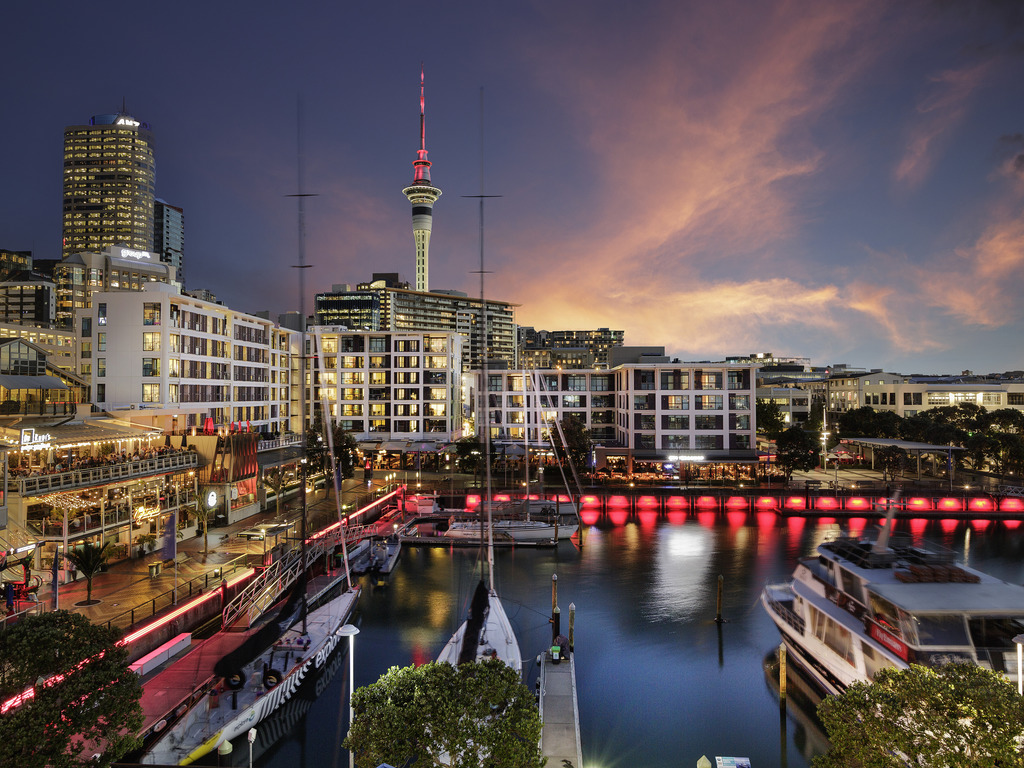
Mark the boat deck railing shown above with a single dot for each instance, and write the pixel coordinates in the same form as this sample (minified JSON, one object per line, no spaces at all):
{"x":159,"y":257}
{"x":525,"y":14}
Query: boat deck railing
{"x":901,"y":548}
{"x":782,"y":607}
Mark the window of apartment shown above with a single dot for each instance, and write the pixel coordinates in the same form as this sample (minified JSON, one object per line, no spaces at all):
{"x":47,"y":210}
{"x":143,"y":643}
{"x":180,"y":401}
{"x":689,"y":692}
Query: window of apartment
{"x":151,"y":393}
{"x":101,"y":314}
{"x":85,"y":369}
{"x":356,"y":361}
{"x":151,"y":366}
{"x":991,"y":398}
{"x":675,"y":402}
{"x":437,"y":393}
{"x":576,"y":382}
{"x":707,"y":422}
{"x":574,"y":401}
{"x":172,"y":393}
{"x":352,"y":409}
{"x":86,"y":350}
{"x":912,"y":398}
{"x":352,"y":394}
{"x":675,"y":442}
{"x":675,"y":379}
{"x":600,"y":383}
{"x":741,"y":402}
{"x":378,"y":409}
{"x":151,"y":313}
{"x":407,"y":361}
{"x":643,"y":442}
{"x":711,"y":380}
{"x":495,"y":382}
{"x":174,"y":367}
{"x":739,"y":421}
{"x":739,"y":379}
{"x":437,"y":410}
{"x":101,"y":341}
{"x":101,"y":393}
{"x":352,"y":377}
{"x":1013,"y":398}
{"x":643,"y":379}
{"x":101,"y":366}
{"x":151,"y":341}
{"x":707,"y":402}
{"x":643,"y":402}
{"x":436,"y":361}
{"x":708,"y":442}
{"x":378,"y":344}
{"x":86,"y":327}
{"x":407,"y":345}
{"x":675,"y":422}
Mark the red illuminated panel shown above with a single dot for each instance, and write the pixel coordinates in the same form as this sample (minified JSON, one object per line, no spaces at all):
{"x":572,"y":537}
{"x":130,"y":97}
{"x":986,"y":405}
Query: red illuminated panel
{"x":919,"y":504}
{"x":981,"y":505}
{"x":798,"y":503}
{"x":677,"y":502}
{"x":826,"y":502}
{"x":858,"y":503}
{"x":590,"y":501}
{"x":676,"y":516}
{"x":917,"y":525}
{"x":561,"y":498}
{"x":647,"y":501}
{"x":706,"y":502}
{"x":502,"y":497}
{"x":950,"y":505}
{"x":618,"y":516}
{"x":766,"y":519}
{"x":590,"y":516}
{"x":1011,"y":505}
{"x":857,"y":525}
{"x":618,"y":501}
{"x":822,"y":521}
{"x":767,"y":502}
{"x":737,"y":502}
{"x":472,"y":500}
{"x":648,"y":518}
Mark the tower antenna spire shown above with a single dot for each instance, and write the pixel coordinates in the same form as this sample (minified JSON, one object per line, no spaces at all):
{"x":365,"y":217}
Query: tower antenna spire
{"x":422,"y":194}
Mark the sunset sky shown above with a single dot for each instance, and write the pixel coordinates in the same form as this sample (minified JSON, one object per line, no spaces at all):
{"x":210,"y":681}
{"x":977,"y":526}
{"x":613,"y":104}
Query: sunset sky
{"x":842,"y":181}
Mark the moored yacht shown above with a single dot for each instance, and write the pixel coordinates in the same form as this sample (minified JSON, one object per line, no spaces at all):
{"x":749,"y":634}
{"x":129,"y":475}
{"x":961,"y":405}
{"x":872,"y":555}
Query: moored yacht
{"x":860,"y":605}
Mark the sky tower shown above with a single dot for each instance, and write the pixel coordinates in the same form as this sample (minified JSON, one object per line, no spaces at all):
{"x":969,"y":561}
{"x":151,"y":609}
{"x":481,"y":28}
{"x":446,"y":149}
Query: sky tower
{"x":422,"y":194}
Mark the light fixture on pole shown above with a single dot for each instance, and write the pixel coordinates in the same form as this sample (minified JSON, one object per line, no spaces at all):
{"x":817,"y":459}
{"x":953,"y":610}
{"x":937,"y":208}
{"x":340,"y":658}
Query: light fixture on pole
{"x":1019,"y":640}
{"x":252,"y":738}
{"x":350,"y":631}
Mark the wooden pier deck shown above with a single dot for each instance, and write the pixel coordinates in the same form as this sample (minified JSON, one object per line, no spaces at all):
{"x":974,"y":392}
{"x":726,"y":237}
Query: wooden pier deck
{"x":559,"y":711}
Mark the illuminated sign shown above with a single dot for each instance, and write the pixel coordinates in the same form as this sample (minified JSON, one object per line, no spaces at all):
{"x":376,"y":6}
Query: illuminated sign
{"x":30,"y":439}
{"x":127,"y":121}
{"x":128,"y":253}
{"x":894,"y":644}
{"x":211,"y":499}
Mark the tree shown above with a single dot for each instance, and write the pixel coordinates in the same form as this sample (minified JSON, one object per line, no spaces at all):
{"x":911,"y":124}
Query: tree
{"x":892,"y":459}
{"x":795,"y":450}
{"x":577,"y":442}
{"x":477,"y":715}
{"x":954,"y":715}
{"x":274,"y":479}
{"x":868,"y":422}
{"x":87,"y":704}
{"x":468,"y":452}
{"x":89,"y":559}
{"x":770,"y":421}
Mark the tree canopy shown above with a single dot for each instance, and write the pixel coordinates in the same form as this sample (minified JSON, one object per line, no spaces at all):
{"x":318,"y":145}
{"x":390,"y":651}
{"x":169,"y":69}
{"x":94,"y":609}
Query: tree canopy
{"x":89,"y":559}
{"x":941,"y":717}
{"x":577,"y":443}
{"x":795,"y":450}
{"x":477,"y":715}
{"x":770,"y":420}
{"x":85,"y":701}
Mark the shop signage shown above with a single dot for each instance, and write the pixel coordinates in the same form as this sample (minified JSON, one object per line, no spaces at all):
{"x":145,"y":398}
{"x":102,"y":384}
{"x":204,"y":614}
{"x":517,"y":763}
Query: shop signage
{"x":32,"y":439}
{"x":211,"y":499}
{"x":894,"y":644}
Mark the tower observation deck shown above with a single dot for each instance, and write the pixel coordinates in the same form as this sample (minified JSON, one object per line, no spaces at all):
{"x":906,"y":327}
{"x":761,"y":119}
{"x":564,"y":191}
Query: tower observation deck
{"x":422,"y":194}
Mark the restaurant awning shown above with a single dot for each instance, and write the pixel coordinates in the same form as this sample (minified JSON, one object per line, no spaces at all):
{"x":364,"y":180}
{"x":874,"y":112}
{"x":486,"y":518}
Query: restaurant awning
{"x":78,"y":433}
{"x":15,"y":381}
{"x":394,"y":445}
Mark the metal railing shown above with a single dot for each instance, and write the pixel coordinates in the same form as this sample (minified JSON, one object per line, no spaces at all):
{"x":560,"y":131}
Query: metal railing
{"x":33,"y":485}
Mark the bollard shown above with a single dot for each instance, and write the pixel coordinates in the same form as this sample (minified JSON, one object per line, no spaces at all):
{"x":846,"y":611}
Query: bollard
{"x":572,"y":622}
{"x":718,"y":611}
{"x":556,"y":618}
{"x":782,"y":673}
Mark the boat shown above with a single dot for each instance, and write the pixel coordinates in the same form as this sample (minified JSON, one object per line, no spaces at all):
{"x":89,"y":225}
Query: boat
{"x":861,"y":605}
{"x":516,"y":530}
{"x":384,"y":554}
{"x":261,"y":671}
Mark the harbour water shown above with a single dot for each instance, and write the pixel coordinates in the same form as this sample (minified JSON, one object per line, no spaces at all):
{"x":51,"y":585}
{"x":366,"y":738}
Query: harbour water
{"x":660,"y":682}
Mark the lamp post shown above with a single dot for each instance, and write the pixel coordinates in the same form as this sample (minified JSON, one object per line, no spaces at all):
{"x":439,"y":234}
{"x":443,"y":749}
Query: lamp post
{"x":1019,"y":640}
{"x":252,"y":738}
{"x":350,"y":631}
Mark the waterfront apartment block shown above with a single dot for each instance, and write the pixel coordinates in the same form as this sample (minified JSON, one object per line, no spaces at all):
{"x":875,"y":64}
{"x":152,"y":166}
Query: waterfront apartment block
{"x":651,"y":413}
{"x":162,"y":359}
{"x":387,"y":304}
{"x":389,"y":385}
{"x":567,"y":349}
{"x":910,"y":395}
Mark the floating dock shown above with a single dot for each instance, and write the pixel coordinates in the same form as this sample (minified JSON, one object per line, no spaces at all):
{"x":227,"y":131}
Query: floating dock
{"x":559,"y":711}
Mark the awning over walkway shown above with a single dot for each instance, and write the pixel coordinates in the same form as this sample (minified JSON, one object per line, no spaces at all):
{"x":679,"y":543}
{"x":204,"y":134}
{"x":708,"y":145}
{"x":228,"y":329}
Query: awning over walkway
{"x":14,"y":381}
{"x":74,"y":433}
{"x":908,"y":445}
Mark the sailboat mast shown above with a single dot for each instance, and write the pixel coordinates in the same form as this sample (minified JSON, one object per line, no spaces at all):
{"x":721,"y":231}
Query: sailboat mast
{"x":484,"y":361}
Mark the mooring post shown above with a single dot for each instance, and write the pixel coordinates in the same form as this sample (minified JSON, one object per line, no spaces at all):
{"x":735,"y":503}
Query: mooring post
{"x":782,"y":673}
{"x":718,"y":611}
{"x":572,"y":622}
{"x":556,"y":619}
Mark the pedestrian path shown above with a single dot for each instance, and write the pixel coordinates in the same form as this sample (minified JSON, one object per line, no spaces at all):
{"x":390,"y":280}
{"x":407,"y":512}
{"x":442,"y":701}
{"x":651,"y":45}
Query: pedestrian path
{"x":559,"y":712}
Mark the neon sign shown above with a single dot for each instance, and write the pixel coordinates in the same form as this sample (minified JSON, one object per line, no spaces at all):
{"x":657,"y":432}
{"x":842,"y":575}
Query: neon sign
{"x":31,"y":439}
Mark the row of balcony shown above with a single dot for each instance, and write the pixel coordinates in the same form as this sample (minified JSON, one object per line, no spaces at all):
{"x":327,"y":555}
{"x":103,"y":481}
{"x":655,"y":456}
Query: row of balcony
{"x":33,"y":485}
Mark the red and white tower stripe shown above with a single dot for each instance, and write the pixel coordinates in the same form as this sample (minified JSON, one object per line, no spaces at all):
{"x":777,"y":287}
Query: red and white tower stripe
{"x":422,"y":194}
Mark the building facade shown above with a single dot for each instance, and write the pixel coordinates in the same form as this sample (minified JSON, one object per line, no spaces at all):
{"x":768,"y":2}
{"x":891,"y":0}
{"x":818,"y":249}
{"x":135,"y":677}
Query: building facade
{"x":169,"y":238}
{"x":109,"y":175}
{"x":29,"y":298}
{"x":567,"y":348}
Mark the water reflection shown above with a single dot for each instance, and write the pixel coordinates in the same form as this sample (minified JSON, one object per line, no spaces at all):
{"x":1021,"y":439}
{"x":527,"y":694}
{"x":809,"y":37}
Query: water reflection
{"x":659,"y":682}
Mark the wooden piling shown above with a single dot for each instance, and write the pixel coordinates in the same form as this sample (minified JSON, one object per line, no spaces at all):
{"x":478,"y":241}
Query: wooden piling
{"x":572,"y":622}
{"x":718,"y":610}
{"x":782,"y":672}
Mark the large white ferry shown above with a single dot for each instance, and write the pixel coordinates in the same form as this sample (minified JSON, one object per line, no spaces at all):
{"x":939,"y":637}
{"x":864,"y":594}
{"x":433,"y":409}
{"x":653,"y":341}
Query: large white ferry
{"x":862,"y":605}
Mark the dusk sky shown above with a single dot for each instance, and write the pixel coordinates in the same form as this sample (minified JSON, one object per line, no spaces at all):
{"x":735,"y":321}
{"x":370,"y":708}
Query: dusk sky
{"x":842,"y":181}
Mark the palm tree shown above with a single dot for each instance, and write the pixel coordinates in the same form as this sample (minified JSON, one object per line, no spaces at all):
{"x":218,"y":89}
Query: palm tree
{"x":89,"y":559}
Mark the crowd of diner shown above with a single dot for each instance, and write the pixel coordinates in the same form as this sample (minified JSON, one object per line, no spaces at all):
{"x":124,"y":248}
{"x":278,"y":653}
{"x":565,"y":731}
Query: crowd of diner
{"x":75,"y":463}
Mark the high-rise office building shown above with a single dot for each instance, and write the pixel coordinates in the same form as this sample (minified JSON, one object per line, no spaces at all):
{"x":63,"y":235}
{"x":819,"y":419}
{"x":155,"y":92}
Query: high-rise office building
{"x":108,"y":184}
{"x":422,"y":194}
{"x":169,"y":237}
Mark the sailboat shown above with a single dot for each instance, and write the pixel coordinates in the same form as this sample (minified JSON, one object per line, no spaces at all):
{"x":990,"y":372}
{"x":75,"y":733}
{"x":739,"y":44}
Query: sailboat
{"x":486,"y":633}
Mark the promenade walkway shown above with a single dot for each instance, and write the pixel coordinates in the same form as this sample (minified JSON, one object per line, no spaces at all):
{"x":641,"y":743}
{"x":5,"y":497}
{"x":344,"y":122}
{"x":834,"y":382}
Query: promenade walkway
{"x":559,"y":711}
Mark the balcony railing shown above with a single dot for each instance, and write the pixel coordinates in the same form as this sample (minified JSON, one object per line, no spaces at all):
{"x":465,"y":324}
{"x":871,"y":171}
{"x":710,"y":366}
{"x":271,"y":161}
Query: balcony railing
{"x":33,"y":485}
{"x":24,"y":408}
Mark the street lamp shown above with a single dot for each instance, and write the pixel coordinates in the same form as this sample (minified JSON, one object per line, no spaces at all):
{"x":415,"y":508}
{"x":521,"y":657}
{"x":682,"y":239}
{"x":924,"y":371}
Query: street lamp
{"x":1019,"y":640}
{"x":350,"y":631}
{"x":252,"y":738}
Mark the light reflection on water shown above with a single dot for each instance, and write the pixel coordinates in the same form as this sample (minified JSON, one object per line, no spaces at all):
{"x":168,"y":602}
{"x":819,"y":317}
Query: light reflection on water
{"x":659,"y":682}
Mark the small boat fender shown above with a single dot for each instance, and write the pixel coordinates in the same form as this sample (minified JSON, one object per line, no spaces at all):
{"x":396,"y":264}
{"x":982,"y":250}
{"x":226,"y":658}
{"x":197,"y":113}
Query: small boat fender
{"x":235,"y":681}
{"x":271,"y":678}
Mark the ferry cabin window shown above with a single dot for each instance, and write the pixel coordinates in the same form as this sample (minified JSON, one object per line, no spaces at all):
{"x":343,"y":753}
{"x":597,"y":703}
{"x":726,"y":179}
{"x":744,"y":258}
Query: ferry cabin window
{"x":874,"y":661}
{"x":995,"y":632}
{"x":941,"y":630}
{"x":832,"y":634}
{"x":851,"y":585}
{"x":886,"y":614}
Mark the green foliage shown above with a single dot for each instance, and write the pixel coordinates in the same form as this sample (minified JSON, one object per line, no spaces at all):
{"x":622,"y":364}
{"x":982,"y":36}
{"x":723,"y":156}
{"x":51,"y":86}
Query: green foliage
{"x":944,"y":717}
{"x":88,"y":559}
{"x":770,"y":421}
{"x":795,"y":450}
{"x":868,"y":422}
{"x":892,"y":460}
{"x":468,"y":454}
{"x":93,"y":709}
{"x":577,"y":442}
{"x":478,"y":715}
